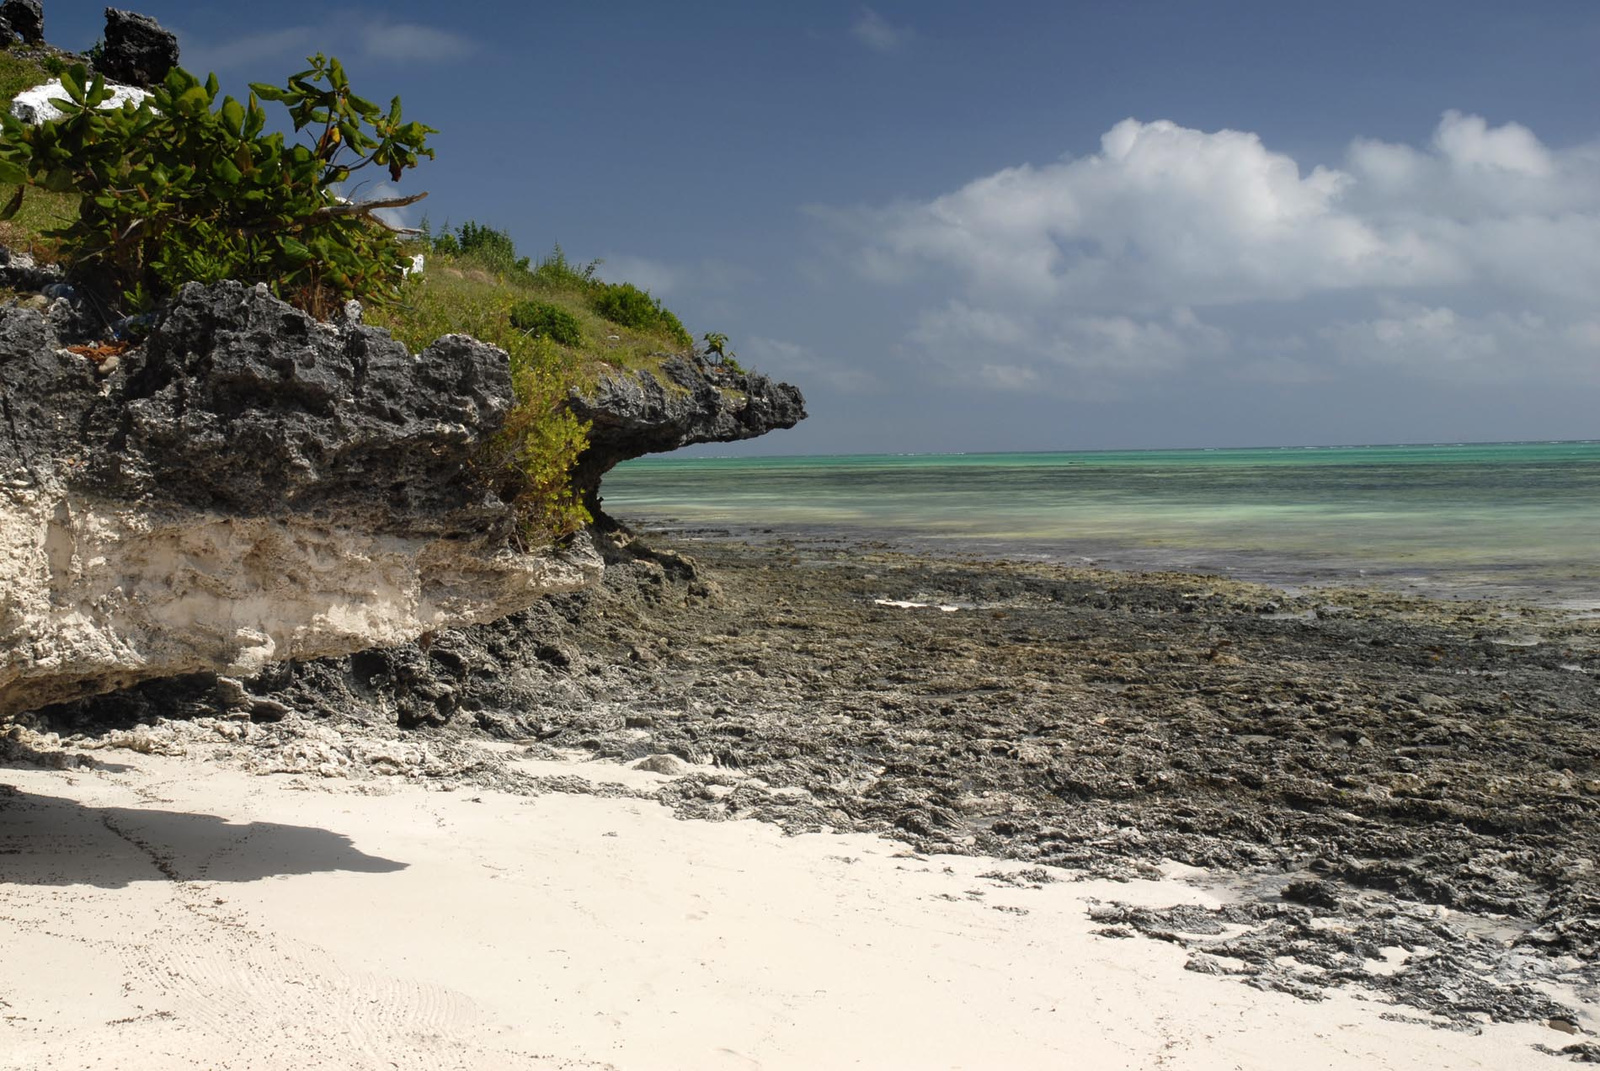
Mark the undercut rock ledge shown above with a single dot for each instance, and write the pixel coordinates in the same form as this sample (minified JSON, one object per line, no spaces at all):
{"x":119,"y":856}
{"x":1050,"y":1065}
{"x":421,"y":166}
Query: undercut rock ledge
{"x":691,"y":401}
{"x":247,"y":486}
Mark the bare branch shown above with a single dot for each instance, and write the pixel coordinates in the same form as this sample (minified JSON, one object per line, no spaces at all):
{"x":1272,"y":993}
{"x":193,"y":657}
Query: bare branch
{"x":365,"y":208}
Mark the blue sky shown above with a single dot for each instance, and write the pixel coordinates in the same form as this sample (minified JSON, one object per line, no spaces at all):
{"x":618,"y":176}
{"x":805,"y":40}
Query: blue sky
{"x":965,"y":226}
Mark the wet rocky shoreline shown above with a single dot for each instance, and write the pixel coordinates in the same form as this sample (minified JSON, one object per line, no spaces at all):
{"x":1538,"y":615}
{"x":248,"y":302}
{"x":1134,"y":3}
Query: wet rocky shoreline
{"x":1385,"y":792}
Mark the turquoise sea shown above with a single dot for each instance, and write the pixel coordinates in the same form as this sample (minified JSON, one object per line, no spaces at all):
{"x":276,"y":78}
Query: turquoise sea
{"x":1517,"y":519}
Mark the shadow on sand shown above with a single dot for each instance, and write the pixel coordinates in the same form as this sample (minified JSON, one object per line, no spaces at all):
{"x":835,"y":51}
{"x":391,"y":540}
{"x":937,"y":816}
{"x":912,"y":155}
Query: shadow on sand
{"x":48,"y":840}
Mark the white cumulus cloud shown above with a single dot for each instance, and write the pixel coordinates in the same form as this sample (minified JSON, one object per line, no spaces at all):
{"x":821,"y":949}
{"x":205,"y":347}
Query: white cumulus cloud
{"x":878,"y":33}
{"x":346,"y":33}
{"x":653,"y":275}
{"x":791,"y":360}
{"x":410,"y":42}
{"x":1479,"y":251}
{"x":1495,"y":346}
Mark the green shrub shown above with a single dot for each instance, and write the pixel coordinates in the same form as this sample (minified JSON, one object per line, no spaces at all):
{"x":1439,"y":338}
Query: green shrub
{"x":540,"y":443}
{"x":717,"y":347}
{"x":444,"y":242}
{"x":43,"y":210}
{"x":626,"y":304}
{"x":556,"y":272}
{"x":673,"y":327}
{"x":485,"y":246}
{"x":547,"y":321}
{"x":489,"y":247}
{"x":531,"y":458}
{"x":171,"y":191}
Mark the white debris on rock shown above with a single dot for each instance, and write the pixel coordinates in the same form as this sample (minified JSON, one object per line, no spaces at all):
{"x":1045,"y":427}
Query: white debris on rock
{"x":33,"y":106}
{"x":906,"y":604}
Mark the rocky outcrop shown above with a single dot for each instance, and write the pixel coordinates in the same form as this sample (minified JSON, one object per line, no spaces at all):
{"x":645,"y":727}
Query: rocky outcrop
{"x":137,"y":49}
{"x":25,"y":19}
{"x":491,"y":675}
{"x":248,"y":486}
{"x":488,"y":676}
{"x":691,"y":401}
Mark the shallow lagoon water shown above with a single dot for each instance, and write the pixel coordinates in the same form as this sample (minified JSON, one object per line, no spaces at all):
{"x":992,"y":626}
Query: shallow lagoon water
{"x":1513,"y":519}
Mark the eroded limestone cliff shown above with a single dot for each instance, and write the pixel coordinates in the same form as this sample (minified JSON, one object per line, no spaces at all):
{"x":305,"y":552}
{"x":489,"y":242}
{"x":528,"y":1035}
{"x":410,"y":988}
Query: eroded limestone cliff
{"x":637,"y":413}
{"x":249,"y":485}
{"x":251,"y":488}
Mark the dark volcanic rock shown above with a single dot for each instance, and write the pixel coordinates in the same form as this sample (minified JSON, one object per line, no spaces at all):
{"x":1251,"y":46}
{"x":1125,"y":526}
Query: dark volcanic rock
{"x":241,"y":404}
{"x":138,"y":51}
{"x":263,"y":408}
{"x":25,"y":18}
{"x":20,"y":272}
{"x":46,"y":398}
{"x":694,"y":402}
{"x":247,"y":486}
{"x":250,"y":485}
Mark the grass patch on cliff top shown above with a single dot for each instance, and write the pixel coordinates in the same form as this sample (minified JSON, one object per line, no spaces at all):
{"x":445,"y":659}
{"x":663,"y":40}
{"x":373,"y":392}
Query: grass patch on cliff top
{"x":41,"y":210}
{"x":461,"y":293}
{"x":474,"y":292}
{"x":19,"y":72}
{"x":542,"y":439}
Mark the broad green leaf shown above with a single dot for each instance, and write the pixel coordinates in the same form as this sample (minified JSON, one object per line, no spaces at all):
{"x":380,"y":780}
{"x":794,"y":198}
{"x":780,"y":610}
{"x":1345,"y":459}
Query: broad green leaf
{"x":192,"y":101}
{"x":233,"y":116}
{"x":72,"y":81}
{"x":256,"y":119}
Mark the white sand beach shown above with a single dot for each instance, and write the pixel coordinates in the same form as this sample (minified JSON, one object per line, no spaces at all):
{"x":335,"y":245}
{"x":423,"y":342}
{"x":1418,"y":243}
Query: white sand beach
{"x":177,"y":911}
